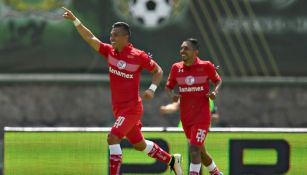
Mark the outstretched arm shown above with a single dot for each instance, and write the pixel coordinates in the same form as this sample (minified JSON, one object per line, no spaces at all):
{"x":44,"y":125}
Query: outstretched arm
{"x":174,"y":105}
{"x":170,"y":108}
{"x":85,"y":33}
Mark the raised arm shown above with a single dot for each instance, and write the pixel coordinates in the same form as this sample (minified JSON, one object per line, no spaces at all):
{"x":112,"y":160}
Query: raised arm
{"x":85,"y":33}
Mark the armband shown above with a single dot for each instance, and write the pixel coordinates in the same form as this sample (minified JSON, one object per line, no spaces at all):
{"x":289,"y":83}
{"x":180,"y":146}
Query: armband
{"x":76,"y":22}
{"x":153,"y":87}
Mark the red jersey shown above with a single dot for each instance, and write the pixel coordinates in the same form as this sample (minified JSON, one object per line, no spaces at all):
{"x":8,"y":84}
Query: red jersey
{"x":193,"y":83}
{"x":124,"y":71}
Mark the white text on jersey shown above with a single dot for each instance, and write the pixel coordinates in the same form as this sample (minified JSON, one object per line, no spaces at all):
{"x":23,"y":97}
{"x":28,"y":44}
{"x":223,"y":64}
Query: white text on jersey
{"x":121,"y":74}
{"x":191,"y":89}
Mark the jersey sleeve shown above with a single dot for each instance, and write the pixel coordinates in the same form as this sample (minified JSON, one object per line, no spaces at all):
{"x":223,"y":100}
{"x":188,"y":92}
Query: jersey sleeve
{"x":171,"y":81}
{"x":212,"y":73}
{"x":147,"y":63}
{"x":105,"y":49}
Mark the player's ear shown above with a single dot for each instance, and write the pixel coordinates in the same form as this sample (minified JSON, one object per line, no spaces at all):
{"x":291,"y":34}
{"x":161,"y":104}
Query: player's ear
{"x":196,"y":52}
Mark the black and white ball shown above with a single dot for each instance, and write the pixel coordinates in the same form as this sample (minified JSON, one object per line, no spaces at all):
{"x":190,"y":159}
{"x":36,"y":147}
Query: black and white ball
{"x":151,"y":13}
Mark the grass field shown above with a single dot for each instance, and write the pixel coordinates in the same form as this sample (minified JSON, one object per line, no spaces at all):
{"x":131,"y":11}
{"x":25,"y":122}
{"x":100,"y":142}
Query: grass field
{"x":86,"y":153}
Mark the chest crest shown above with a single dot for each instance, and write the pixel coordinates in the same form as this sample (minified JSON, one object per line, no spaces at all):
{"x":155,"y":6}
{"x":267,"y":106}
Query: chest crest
{"x":121,"y":64}
{"x":190,"y":80}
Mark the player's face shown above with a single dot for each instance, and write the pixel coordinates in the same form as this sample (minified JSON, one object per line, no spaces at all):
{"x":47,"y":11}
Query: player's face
{"x":118,"y":38}
{"x":186,"y":51}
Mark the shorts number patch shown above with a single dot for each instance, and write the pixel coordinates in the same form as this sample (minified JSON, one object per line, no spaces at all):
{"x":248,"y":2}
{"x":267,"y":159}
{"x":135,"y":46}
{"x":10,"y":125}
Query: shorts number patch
{"x":200,"y":136}
{"x":119,"y":121}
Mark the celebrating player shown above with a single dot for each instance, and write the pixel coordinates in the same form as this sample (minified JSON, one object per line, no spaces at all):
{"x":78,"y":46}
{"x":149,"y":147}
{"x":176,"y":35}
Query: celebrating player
{"x":125,"y":65}
{"x":192,"y":76}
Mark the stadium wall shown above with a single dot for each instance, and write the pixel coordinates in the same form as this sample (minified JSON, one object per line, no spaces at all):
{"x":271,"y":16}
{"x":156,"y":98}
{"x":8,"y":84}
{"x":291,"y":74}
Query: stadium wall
{"x":84,"y":100}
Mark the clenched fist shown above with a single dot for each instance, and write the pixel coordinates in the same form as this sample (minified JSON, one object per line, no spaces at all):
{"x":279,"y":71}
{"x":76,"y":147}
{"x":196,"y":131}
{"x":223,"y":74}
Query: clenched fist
{"x":148,"y":94}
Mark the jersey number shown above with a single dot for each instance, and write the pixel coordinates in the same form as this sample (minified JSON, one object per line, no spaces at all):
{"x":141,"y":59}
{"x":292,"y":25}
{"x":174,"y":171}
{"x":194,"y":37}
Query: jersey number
{"x":200,"y":136}
{"x":119,"y":121}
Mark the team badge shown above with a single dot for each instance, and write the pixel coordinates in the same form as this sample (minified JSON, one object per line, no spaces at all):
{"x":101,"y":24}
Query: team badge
{"x":189,"y":80}
{"x":121,"y":64}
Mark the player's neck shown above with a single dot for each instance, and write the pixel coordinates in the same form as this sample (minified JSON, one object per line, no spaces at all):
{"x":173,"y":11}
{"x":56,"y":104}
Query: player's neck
{"x":189,"y":62}
{"x":119,"y":49}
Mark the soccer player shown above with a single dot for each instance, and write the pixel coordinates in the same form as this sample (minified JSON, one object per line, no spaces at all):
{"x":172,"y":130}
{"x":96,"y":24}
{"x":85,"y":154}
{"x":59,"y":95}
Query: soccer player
{"x":192,"y":76}
{"x":125,"y":65}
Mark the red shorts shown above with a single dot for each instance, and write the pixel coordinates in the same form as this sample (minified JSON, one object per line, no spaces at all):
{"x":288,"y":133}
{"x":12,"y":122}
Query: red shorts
{"x":196,"y":134}
{"x":128,"y":123}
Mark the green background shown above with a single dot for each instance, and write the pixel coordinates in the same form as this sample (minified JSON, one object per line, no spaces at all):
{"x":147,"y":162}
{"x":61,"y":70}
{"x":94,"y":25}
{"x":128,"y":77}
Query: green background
{"x":86,"y":153}
{"x":244,"y":37}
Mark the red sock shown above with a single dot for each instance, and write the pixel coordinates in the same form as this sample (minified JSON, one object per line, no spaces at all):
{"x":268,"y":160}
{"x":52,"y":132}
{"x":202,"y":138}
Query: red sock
{"x":193,"y":173}
{"x":115,"y":162}
{"x":216,"y":171}
{"x":159,"y":154}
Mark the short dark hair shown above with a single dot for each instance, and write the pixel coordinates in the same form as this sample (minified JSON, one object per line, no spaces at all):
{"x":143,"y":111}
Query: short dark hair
{"x":194,"y":43}
{"x":124,"y":26}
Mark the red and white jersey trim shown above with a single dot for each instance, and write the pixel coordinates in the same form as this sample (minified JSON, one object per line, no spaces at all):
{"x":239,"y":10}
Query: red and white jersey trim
{"x":190,"y":80}
{"x":120,"y":64}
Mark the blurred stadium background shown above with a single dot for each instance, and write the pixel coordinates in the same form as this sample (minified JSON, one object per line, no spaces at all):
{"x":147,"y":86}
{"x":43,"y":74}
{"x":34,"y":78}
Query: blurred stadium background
{"x":49,"y":77}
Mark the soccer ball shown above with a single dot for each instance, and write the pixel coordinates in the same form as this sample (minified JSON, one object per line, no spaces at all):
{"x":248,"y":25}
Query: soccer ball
{"x":151,"y":13}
